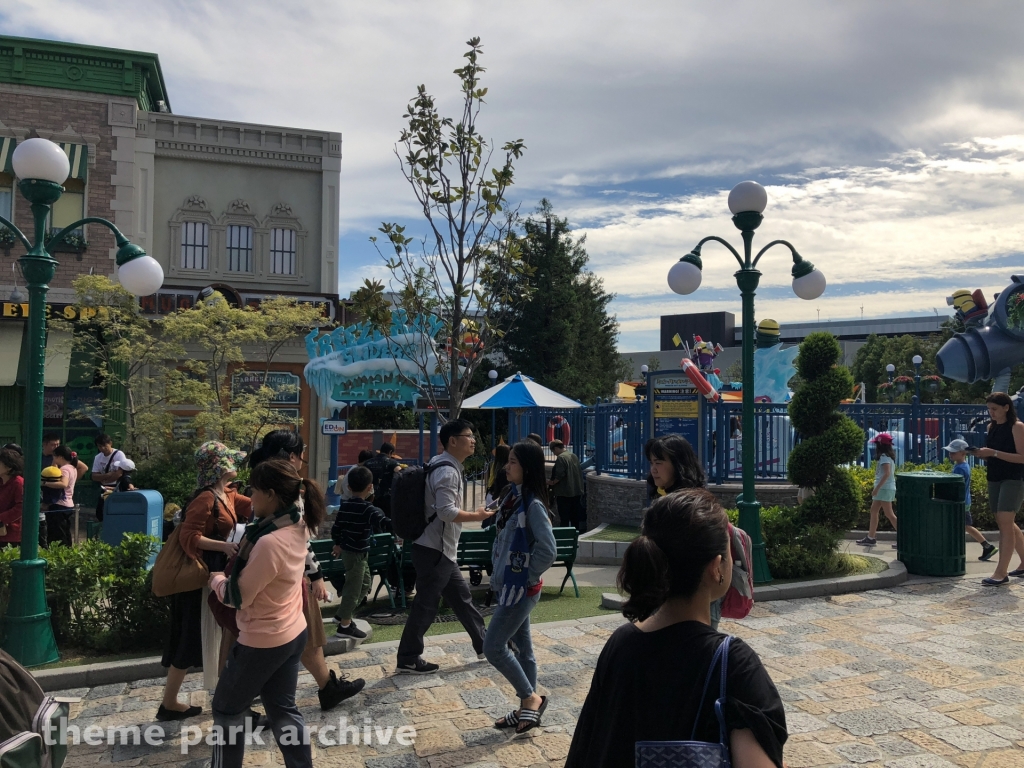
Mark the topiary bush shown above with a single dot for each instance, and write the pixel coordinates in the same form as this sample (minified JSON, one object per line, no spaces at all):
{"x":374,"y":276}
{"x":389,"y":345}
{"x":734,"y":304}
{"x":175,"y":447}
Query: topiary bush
{"x":828,"y":438}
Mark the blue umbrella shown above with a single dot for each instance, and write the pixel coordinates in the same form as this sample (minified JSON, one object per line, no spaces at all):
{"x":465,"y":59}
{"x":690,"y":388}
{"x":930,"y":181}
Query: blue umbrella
{"x":519,"y":391}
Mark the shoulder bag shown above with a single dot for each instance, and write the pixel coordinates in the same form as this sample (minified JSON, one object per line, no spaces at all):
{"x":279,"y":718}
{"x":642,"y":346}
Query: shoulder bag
{"x":694,"y":754}
{"x":174,"y":571}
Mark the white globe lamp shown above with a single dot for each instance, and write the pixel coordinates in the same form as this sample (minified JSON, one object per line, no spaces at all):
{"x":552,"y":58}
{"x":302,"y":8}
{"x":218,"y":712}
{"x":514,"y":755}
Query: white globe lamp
{"x":140,"y":274}
{"x":40,"y":159}
{"x":748,"y":196}
{"x":808,"y":282}
{"x":685,"y":276}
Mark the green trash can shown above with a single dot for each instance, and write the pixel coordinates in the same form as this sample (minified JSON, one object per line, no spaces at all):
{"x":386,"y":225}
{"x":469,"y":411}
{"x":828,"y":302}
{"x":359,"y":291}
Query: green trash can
{"x":930,"y":523}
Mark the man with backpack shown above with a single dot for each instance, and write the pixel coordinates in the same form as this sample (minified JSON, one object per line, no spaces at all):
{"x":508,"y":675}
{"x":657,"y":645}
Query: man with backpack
{"x":383,"y":468}
{"x":434,"y":550}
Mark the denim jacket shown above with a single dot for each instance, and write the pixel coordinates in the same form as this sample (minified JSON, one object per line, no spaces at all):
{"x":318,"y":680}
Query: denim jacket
{"x":540,"y":537}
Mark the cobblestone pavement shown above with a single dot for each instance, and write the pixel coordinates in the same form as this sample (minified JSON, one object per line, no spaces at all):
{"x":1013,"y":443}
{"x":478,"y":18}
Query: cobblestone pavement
{"x":920,"y":676}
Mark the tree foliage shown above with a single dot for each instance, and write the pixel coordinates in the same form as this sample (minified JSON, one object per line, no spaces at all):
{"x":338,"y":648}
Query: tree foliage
{"x":465,"y":272}
{"x":565,"y":338}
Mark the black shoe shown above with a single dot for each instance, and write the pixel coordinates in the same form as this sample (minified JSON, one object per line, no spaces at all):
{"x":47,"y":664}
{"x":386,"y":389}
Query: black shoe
{"x":164,"y":715}
{"x":987,"y":550}
{"x":258,"y":720}
{"x":421,"y":667}
{"x":476,"y":577}
{"x":336,"y":691}
{"x":351,"y":631}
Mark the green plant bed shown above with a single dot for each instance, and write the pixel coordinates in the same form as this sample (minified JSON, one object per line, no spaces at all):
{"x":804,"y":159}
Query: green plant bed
{"x":848,"y":565}
{"x":615,"y":533}
{"x":552,"y":607}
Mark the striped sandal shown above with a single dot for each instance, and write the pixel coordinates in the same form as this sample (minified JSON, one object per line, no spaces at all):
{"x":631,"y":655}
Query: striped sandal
{"x":511,"y":720}
{"x":530,"y":718}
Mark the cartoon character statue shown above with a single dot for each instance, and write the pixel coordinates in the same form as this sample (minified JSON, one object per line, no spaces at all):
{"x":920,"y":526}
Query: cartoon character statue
{"x":971,"y":308}
{"x":704,"y":353}
{"x":773,"y":365}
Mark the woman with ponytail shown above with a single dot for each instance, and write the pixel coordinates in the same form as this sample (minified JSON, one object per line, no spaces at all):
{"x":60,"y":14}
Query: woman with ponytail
{"x":524,"y":549}
{"x":331,"y":690}
{"x":649,"y":678}
{"x":265,"y":587}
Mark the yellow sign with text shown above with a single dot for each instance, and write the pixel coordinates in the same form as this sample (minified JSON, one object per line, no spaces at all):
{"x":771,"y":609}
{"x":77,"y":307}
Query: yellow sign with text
{"x":676,"y":409}
{"x":16,"y":311}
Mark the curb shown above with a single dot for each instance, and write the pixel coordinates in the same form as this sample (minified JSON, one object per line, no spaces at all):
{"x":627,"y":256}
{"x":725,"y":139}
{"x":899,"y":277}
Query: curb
{"x":895,"y":574}
{"x":130,"y":670}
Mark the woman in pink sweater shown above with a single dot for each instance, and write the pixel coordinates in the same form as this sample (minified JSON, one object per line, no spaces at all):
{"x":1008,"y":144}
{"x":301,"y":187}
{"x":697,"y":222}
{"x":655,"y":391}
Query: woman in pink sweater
{"x":265,"y":586}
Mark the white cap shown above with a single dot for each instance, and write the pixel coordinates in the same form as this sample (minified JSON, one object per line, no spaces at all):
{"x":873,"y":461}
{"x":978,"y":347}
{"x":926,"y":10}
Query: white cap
{"x":955,"y":446}
{"x":125,"y":465}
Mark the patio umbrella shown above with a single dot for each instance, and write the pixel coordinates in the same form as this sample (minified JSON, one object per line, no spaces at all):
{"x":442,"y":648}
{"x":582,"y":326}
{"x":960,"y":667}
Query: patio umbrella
{"x":519,"y":392}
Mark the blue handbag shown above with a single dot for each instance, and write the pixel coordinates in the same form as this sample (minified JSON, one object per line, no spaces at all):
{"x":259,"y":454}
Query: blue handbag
{"x":694,"y":754}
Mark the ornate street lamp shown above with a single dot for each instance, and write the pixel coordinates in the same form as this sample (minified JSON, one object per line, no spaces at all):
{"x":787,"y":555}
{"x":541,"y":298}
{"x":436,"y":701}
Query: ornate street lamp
{"x":747,"y":201}
{"x":891,"y":370}
{"x":41,"y":167}
{"x":917,"y":360}
{"x":493,"y":376}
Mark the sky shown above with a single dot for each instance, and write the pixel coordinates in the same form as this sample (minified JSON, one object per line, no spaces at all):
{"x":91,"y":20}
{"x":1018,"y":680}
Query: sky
{"x":889,"y":135}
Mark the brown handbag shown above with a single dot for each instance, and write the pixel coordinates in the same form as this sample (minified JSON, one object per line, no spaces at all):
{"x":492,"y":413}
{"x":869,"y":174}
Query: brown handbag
{"x":173,"y":570}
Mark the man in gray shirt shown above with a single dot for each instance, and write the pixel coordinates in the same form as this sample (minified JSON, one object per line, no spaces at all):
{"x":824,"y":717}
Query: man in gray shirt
{"x":434,"y":553}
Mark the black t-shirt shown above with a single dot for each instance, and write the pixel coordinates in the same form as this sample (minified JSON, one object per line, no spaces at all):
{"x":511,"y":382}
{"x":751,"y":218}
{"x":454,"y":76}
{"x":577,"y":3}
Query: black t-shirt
{"x":647,"y":687}
{"x":1000,"y":437}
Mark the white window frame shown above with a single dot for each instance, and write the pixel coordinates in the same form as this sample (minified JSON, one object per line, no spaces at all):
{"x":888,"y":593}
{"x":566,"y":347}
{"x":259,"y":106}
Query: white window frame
{"x":239,"y":248}
{"x":200,"y":246}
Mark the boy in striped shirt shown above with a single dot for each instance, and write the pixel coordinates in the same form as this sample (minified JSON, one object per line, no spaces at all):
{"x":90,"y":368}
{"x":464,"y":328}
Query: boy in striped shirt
{"x":357,"y":520}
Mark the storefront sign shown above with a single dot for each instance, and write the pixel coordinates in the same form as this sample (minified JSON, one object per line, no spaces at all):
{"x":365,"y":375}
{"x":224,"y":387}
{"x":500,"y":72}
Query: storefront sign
{"x":333,"y":427}
{"x":284,"y":384}
{"x":15,"y":311}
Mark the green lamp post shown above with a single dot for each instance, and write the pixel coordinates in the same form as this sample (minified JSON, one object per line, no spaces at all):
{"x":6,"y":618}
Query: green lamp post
{"x":41,"y":167}
{"x":747,"y":201}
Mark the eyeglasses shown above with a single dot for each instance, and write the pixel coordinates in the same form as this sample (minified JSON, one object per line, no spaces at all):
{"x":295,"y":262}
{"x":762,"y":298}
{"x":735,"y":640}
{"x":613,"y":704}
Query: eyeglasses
{"x":470,"y":435}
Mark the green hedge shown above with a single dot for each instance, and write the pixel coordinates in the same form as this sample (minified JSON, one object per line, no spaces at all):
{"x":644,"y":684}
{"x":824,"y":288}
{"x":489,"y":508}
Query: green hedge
{"x":980,"y":510}
{"x":100,"y":597}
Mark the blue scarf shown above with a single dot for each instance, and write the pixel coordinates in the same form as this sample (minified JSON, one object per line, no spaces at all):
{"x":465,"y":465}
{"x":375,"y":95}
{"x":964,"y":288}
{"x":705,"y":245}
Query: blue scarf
{"x":516,"y":573}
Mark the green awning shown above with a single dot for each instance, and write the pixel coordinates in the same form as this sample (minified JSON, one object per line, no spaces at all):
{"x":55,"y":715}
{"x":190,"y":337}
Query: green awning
{"x":78,"y":156}
{"x":6,"y":151}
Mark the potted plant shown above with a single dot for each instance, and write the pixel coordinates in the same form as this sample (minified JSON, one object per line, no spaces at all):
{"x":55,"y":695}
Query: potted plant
{"x":903,"y":383}
{"x":73,"y":242}
{"x":932,"y":383}
{"x":885,"y":388}
{"x":7,"y":239}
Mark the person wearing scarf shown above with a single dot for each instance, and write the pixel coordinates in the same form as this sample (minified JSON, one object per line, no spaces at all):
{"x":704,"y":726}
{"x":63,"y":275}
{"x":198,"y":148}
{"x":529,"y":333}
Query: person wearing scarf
{"x":265,"y":587}
{"x":524,"y":548}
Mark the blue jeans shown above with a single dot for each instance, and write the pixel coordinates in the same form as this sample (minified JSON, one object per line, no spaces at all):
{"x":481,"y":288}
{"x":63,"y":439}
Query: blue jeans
{"x":513,"y":623}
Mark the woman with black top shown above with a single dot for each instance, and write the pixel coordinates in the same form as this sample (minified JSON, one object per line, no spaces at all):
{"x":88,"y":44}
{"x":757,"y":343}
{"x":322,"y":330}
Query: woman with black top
{"x":674,"y":466}
{"x":1004,"y":452}
{"x":650,"y":675}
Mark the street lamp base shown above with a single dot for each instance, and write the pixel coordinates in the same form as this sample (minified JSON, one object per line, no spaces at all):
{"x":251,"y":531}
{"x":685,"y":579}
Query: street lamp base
{"x":750,"y":521}
{"x":27,"y":628}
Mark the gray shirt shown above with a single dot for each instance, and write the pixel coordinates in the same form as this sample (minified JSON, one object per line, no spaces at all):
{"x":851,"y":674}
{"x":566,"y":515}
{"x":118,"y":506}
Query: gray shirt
{"x":444,"y":496}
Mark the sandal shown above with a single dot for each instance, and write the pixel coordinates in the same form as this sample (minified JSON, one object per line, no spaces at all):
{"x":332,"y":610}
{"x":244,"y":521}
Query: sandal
{"x":530,"y":718}
{"x":511,"y":720}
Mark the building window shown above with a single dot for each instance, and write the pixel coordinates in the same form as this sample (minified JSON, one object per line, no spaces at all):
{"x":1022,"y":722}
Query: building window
{"x":239,"y":248}
{"x":70,"y":206}
{"x":282,"y":251}
{"x":6,"y":196}
{"x":195,"y":245}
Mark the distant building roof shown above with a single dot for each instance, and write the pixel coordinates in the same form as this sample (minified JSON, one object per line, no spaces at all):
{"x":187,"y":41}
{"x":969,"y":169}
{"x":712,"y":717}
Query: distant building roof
{"x":856,"y":330}
{"x":74,"y":67}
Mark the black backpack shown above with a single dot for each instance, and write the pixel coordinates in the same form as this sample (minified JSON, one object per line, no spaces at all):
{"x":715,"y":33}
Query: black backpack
{"x":26,"y":714}
{"x":409,"y":502}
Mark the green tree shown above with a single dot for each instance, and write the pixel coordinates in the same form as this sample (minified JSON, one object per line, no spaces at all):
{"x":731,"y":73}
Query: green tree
{"x":565,"y":337}
{"x":465,"y":276}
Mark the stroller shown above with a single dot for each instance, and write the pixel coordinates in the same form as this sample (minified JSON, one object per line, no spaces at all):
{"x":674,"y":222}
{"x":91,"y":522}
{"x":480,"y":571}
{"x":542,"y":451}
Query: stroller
{"x":30,"y":720}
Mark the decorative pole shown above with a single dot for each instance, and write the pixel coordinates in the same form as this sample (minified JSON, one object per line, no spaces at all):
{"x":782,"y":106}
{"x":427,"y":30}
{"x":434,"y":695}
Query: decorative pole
{"x":891,"y":370}
{"x":42,"y":168}
{"x":747,"y":201}
{"x":493,"y":376}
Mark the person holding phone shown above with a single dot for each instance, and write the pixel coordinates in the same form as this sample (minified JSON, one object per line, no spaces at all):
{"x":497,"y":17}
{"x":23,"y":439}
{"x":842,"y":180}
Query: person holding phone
{"x":1004,"y":454}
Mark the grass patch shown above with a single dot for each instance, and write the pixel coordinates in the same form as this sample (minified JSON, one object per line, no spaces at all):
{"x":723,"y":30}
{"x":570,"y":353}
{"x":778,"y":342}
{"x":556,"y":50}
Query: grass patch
{"x":615,"y":533}
{"x":849,"y":565}
{"x":552,"y":607}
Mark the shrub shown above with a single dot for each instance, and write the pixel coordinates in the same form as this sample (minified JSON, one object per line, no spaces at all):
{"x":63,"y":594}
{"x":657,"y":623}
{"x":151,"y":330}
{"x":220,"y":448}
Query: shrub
{"x":100,"y":596}
{"x":796,"y":549}
{"x":173,"y":473}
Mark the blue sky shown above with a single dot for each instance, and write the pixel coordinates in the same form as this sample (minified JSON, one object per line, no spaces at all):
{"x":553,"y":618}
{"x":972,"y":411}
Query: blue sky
{"x":890,"y":135}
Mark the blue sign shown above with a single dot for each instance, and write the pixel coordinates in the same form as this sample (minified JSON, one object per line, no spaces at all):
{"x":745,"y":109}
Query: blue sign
{"x":674,"y":408}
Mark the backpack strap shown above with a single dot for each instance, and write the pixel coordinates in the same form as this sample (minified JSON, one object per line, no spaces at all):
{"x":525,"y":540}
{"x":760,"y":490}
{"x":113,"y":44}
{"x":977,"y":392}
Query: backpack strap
{"x":721,"y":655}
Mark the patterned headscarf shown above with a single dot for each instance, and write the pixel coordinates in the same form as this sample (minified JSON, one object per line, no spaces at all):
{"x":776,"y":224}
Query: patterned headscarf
{"x":213,"y":459}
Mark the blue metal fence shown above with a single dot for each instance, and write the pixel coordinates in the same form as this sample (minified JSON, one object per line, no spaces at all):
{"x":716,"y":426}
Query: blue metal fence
{"x":611,"y":436}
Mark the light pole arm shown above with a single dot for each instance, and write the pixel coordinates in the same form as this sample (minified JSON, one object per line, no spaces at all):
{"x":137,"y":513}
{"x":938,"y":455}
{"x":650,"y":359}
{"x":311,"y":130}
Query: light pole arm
{"x":121,"y":239}
{"x":17,"y":232}
{"x":717,"y":239}
{"x":796,"y":256}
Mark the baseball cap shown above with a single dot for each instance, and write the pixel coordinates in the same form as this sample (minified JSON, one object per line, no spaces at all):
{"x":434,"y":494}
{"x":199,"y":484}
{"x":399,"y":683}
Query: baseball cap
{"x":956,"y":445}
{"x":125,"y":465}
{"x":882,"y":438}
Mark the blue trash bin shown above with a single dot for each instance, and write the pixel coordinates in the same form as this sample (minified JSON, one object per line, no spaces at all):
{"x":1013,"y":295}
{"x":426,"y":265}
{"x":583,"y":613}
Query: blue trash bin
{"x":133,"y":512}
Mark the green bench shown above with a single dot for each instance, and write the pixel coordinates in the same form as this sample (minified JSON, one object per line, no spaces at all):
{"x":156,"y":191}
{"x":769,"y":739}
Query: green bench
{"x":379,"y":559}
{"x":567,"y":545}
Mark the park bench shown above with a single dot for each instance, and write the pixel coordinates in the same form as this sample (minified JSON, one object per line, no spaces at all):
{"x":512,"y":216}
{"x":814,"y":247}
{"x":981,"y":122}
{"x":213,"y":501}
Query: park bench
{"x":379,"y":559}
{"x":567,"y":544}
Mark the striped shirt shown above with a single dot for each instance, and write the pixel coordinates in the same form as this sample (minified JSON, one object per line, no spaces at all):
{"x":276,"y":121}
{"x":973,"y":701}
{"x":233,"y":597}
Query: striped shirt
{"x":357,"y":520}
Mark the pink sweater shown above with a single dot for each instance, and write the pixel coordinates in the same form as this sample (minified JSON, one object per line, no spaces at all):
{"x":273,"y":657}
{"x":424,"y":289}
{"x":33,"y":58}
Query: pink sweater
{"x":271,"y":586}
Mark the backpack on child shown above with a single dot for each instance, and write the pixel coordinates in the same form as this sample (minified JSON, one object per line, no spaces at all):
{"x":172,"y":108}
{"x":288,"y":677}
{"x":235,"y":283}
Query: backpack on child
{"x":30,"y":720}
{"x":409,"y":502}
{"x":740,"y":598}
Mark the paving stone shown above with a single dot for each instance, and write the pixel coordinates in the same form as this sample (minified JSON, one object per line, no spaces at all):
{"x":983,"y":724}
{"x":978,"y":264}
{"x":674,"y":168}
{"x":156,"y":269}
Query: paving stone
{"x":485,"y":697}
{"x":921,"y":761}
{"x":869,"y":722}
{"x":971,"y":739}
{"x":859,"y":753}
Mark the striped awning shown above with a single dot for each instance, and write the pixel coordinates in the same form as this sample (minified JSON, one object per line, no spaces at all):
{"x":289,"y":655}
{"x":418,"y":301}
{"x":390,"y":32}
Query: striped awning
{"x":6,"y":150}
{"x":78,"y":155}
